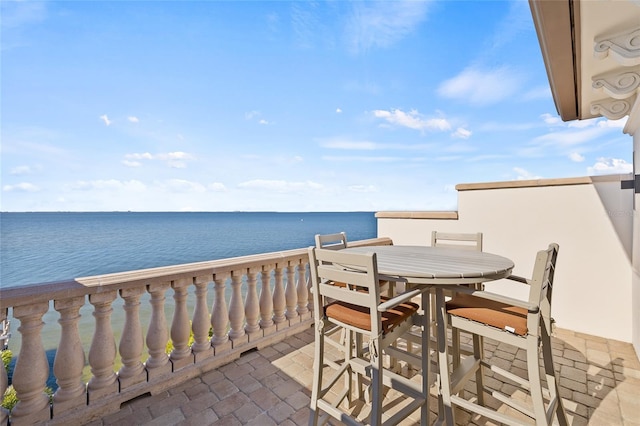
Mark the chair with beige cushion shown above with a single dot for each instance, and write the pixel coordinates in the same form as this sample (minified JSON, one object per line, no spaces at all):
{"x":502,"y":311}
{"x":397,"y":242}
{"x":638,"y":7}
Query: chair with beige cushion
{"x":523,"y":324}
{"x":364,"y":314}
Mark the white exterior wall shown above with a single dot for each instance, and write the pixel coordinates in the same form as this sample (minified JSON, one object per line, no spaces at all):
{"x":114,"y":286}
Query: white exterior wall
{"x":592,"y":223}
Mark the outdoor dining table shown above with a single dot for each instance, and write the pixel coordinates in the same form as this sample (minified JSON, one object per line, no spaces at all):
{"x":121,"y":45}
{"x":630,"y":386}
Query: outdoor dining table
{"x":439,"y":268}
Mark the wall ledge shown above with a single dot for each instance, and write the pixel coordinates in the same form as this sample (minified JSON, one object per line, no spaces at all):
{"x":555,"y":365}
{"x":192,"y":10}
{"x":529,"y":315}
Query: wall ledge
{"x":450,"y":215}
{"x":583,"y":180}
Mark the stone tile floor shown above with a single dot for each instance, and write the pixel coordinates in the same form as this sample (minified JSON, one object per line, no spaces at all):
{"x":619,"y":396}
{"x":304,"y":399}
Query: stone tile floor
{"x":599,"y":379}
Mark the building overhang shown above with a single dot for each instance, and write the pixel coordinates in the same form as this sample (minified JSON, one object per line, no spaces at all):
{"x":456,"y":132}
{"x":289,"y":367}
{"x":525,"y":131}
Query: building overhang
{"x":591,"y":51}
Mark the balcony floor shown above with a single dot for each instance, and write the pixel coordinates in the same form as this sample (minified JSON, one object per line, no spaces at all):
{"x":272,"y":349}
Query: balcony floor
{"x":599,"y":379}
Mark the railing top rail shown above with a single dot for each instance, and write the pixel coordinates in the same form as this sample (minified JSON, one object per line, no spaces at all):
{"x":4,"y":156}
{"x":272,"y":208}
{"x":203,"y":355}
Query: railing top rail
{"x":34,"y":293}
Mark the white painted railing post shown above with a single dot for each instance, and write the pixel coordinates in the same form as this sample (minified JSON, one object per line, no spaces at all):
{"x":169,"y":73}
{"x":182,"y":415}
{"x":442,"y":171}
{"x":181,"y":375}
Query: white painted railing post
{"x":102,"y":353}
{"x":303,"y":291}
{"x":252,"y":306}
{"x":266,"y":301}
{"x":279,"y":299}
{"x":220,"y":316}
{"x":291,"y":294}
{"x":201,"y":321}
{"x":32,"y":369}
{"x":236,"y":311}
{"x":181,"y":355}
{"x":131,"y":342}
{"x":69,"y":360}
{"x":157,"y":336}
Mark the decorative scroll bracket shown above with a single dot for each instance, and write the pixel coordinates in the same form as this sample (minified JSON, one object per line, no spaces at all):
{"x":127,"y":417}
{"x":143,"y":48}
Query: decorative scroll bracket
{"x":613,"y":109}
{"x":623,"y":47}
{"x":618,"y":85}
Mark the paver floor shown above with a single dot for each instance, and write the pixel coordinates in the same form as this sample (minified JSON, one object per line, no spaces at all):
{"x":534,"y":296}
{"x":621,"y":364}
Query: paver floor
{"x":599,"y":379}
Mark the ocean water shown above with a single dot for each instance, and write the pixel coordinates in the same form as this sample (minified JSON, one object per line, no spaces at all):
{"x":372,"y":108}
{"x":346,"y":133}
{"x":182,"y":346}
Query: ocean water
{"x":46,"y":247}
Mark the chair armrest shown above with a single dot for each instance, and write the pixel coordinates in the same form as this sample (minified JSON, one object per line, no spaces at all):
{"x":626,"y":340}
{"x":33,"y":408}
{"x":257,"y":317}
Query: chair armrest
{"x":531,"y":307}
{"x":519,"y":279}
{"x":401,"y":298}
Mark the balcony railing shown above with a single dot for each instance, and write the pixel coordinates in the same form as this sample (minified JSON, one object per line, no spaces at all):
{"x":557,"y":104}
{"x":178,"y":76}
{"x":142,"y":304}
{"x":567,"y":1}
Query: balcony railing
{"x":256,"y":301}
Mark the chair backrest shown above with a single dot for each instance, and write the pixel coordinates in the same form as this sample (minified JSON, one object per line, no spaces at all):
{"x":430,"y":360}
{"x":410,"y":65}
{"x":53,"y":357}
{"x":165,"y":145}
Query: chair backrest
{"x":541,"y":285}
{"x":331,"y":241}
{"x":358,"y":270}
{"x":470,"y":241}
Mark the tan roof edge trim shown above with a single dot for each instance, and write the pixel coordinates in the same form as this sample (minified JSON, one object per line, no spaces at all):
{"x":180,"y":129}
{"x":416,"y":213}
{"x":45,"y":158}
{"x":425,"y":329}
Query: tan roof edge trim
{"x":451,"y":215}
{"x":584,"y":180}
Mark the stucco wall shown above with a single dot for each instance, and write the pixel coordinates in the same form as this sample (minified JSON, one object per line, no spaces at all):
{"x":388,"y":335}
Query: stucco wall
{"x":591,"y":220}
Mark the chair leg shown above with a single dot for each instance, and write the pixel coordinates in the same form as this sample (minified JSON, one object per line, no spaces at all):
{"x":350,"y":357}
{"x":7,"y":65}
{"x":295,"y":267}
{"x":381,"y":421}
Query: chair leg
{"x":552,"y":382}
{"x":478,"y":353}
{"x":376,"y":383}
{"x":533,"y":369}
{"x":318,"y":364}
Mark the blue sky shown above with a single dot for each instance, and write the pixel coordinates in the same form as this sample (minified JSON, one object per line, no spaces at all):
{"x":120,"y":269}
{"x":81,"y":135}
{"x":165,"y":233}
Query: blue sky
{"x":285,"y":106}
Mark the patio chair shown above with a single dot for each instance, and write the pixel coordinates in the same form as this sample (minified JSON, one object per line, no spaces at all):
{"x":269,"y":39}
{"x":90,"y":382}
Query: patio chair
{"x":471,"y":241}
{"x":523,"y":324}
{"x":363,"y":315}
{"x":463,"y":241}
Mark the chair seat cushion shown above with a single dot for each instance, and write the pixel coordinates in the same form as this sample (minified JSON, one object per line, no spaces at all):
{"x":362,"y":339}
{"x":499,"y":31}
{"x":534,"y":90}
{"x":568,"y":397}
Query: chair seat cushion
{"x":489,"y":312}
{"x":359,"y":316}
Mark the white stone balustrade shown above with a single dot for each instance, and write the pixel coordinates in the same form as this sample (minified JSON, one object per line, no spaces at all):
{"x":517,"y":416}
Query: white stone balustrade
{"x":246,"y":313}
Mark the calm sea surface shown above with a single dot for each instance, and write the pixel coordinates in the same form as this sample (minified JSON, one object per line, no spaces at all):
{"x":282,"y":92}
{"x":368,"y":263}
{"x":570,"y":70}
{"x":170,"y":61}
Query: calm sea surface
{"x":44,"y":247}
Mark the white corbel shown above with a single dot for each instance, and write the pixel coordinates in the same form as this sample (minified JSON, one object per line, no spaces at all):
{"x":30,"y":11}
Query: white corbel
{"x":613,"y":109}
{"x":623,"y":47}
{"x":617,"y":84}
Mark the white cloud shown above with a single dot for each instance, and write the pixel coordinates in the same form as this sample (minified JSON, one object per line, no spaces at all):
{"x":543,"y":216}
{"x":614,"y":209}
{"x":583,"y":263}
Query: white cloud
{"x":21,"y":170}
{"x":523,"y":174}
{"x":381,"y":24}
{"x":338,"y":110}
{"x":606,"y":166}
{"x":362,"y":159}
{"x":182,"y":185}
{"x":176,"y":159}
{"x":105,"y":119}
{"x":109,"y":184}
{"x":348,"y":144}
{"x":481,"y":87}
{"x":462,"y":133}
{"x":362,"y":188}
{"x":551,"y":119}
{"x":413,"y":120}
{"x":577,"y":157}
{"x":133,"y":119}
{"x":614,"y":124}
{"x":217,"y":187}
{"x":21,"y":187}
{"x":279,"y":185}
{"x":263,"y":121}
{"x":537,"y":93}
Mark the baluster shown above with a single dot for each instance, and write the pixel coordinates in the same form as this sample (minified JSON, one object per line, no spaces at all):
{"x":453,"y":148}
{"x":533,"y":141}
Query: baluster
{"x":307,"y":269}
{"x":180,"y":327}
{"x":278,"y":298}
{"x":201,"y":321}
{"x":103,"y":349}
{"x":252,"y":307}
{"x":131,"y":341}
{"x":158,"y":363}
{"x":291,"y":294}
{"x":32,"y":369}
{"x":220,"y":316}
{"x":303,"y":292}
{"x":236,"y":311}
{"x":69,"y":360}
{"x":4,"y":380}
{"x":266,"y":302}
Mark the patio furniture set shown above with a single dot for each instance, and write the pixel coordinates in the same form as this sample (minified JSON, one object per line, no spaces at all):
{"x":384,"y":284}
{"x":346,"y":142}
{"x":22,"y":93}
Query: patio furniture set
{"x":383,"y":305}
